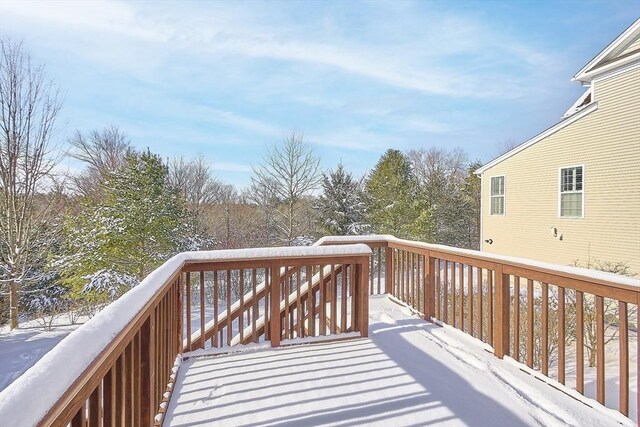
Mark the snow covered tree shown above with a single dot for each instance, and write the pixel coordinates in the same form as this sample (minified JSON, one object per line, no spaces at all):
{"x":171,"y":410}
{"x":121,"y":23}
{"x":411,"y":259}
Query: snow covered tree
{"x":29,"y":106}
{"x":115,"y":242}
{"x":393,"y":205}
{"x":291,"y":170}
{"x":341,"y":207}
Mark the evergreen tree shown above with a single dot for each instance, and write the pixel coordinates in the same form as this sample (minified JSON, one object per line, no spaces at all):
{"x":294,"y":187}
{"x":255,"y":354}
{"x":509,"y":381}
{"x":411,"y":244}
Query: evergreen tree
{"x":116,"y":241}
{"x":393,"y":205}
{"x":341,"y":206}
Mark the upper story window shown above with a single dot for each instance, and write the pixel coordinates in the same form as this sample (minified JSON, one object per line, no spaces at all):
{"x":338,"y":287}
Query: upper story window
{"x":572,"y":192}
{"x":497,"y":195}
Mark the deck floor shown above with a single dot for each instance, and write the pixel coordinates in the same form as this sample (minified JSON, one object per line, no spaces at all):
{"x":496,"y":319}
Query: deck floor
{"x":408,"y":372}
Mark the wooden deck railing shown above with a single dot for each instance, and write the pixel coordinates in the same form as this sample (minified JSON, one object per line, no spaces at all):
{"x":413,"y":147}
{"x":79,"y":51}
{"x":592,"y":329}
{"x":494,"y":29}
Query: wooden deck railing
{"x":122,"y":364}
{"x":537,"y":313}
{"x":546,"y":316}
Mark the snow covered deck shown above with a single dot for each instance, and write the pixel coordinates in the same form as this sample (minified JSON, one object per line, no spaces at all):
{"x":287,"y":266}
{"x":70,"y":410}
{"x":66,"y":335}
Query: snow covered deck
{"x":408,"y":372}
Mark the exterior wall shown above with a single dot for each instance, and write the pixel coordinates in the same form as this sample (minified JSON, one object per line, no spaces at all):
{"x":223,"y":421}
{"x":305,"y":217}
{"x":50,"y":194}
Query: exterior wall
{"x":607,"y":142}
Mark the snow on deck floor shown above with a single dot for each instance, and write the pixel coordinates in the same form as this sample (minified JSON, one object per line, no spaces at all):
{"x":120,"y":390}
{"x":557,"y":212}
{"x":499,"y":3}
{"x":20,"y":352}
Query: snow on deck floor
{"x":408,"y":372}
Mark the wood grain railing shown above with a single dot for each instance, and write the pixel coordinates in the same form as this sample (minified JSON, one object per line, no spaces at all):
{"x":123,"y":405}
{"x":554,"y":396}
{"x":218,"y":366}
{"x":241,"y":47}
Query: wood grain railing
{"x":121,"y":365}
{"x":555,"y":319}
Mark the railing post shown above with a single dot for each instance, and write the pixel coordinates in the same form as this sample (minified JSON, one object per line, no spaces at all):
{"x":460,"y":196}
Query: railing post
{"x":501,"y":325}
{"x":148,"y":405}
{"x":430,"y":288}
{"x":388,"y":270}
{"x":275,"y":330}
{"x":362,"y":281}
{"x":180,"y":309}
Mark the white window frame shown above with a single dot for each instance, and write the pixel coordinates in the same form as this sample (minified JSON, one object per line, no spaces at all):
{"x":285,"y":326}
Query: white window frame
{"x":504,"y":196}
{"x":584,"y":174}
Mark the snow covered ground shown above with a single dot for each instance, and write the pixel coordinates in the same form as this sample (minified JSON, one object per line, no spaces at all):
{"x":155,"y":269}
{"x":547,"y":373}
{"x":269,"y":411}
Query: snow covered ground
{"x":408,"y":372}
{"x":23,"y":347}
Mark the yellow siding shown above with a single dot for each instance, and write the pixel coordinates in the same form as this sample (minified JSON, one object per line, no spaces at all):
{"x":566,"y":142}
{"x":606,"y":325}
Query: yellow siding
{"x":607,"y":143}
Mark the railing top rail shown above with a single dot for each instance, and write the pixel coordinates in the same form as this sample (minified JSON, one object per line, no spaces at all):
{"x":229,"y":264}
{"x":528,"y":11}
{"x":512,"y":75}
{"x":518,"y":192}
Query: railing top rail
{"x":288,"y":252}
{"x":65,"y":368}
{"x":578,"y":273}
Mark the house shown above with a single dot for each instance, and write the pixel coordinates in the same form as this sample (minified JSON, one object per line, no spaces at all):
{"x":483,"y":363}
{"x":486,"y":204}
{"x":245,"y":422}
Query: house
{"x":572,"y":193}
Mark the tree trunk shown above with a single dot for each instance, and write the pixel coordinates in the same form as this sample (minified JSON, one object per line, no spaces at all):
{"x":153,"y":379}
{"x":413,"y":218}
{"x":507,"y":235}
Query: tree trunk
{"x":13,"y":305}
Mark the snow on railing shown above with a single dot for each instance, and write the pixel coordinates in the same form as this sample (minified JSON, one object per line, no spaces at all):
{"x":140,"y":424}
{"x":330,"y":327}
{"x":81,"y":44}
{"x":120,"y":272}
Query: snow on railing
{"x":527,"y":310}
{"x":136,"y":338}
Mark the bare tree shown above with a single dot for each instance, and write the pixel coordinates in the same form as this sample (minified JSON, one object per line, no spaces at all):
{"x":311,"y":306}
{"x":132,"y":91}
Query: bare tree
{"x":29,"y":106}
{"x":293,"y":171}
{"x":506,"y":146}
{"x":197,"y":184}
{"x":103,"y":151}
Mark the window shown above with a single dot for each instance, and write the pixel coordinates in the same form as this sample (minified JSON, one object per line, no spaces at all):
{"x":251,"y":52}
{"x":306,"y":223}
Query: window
{"x":497,"y":195}
{"x":571,"y":192}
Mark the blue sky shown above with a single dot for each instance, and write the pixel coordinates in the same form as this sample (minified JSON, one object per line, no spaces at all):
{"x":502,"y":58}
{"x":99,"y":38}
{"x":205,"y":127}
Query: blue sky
{"x":229,"y":79}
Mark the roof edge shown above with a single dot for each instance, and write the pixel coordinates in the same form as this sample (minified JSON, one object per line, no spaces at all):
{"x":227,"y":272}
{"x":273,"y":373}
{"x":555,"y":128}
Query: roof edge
{"x":635,"y":26}
{"x":545,"y":133}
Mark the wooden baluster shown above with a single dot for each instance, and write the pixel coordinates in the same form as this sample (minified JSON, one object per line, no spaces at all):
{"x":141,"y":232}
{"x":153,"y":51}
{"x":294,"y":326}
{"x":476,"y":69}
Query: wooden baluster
{"x":128,"y":385}
{"x":371,"y":275}
{"x":299,"y":314}
{"x":286,"y":291}
{"x":516,"y":318}
{"x":470,"y":299}
{"x":388,"y":271}
{"x":109,"y":396}
{"x":438,"y":286}
{"x":80,"y":418}
{"x":268,"y":281}
{"x":311,"y":303}
{"x":501,"y":332}
{"x":545,"y":328}
{"x":414,"y":287}
{"x":445,"y":292}
{"x":94,"y":407}
{"x":343,"y":299}
{"x":561,"y":335}
{"x":255,"y":311}
{"x":135,"y":374}
{"x":429,"y":287}
{"x":120,"y":390}
{"x":187,"y":300}
{"x":490,"y":337}
{"x":334,"y":291}
{"x":229,"y":325}
{"x":216,"y":340}
{"x":202,"y":310}
{"x":362,"y":272}
{"x":530,"y":332}
{"x":461,"y":301}
{"x":242,"y":308}
{"x":275,"y":326}
{"x":323,"y":304}
{"x":580,"y":341}
{"x":379,"y":269}
{"x":623,"y":348}
{"x":479,"y":312}
{"x":453,"y":292}
{"x":600,"y":359}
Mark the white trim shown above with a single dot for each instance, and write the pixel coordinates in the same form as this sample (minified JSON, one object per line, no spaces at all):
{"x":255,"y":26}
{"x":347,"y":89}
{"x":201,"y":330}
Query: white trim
{"x":611,"y":48}
{"x":628,"y":67}
{"x":560,"y":191}
{"x":550,"y":131}
{"x":504,"y":195}
{"x":574,"y":108}
{"x":482,"y":184}
{"x":610,"y":67}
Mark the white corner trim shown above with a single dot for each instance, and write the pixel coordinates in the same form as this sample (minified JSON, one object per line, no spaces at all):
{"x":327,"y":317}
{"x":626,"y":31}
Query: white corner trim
{"x":629,"y":32}
{"x":549,"y":131}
